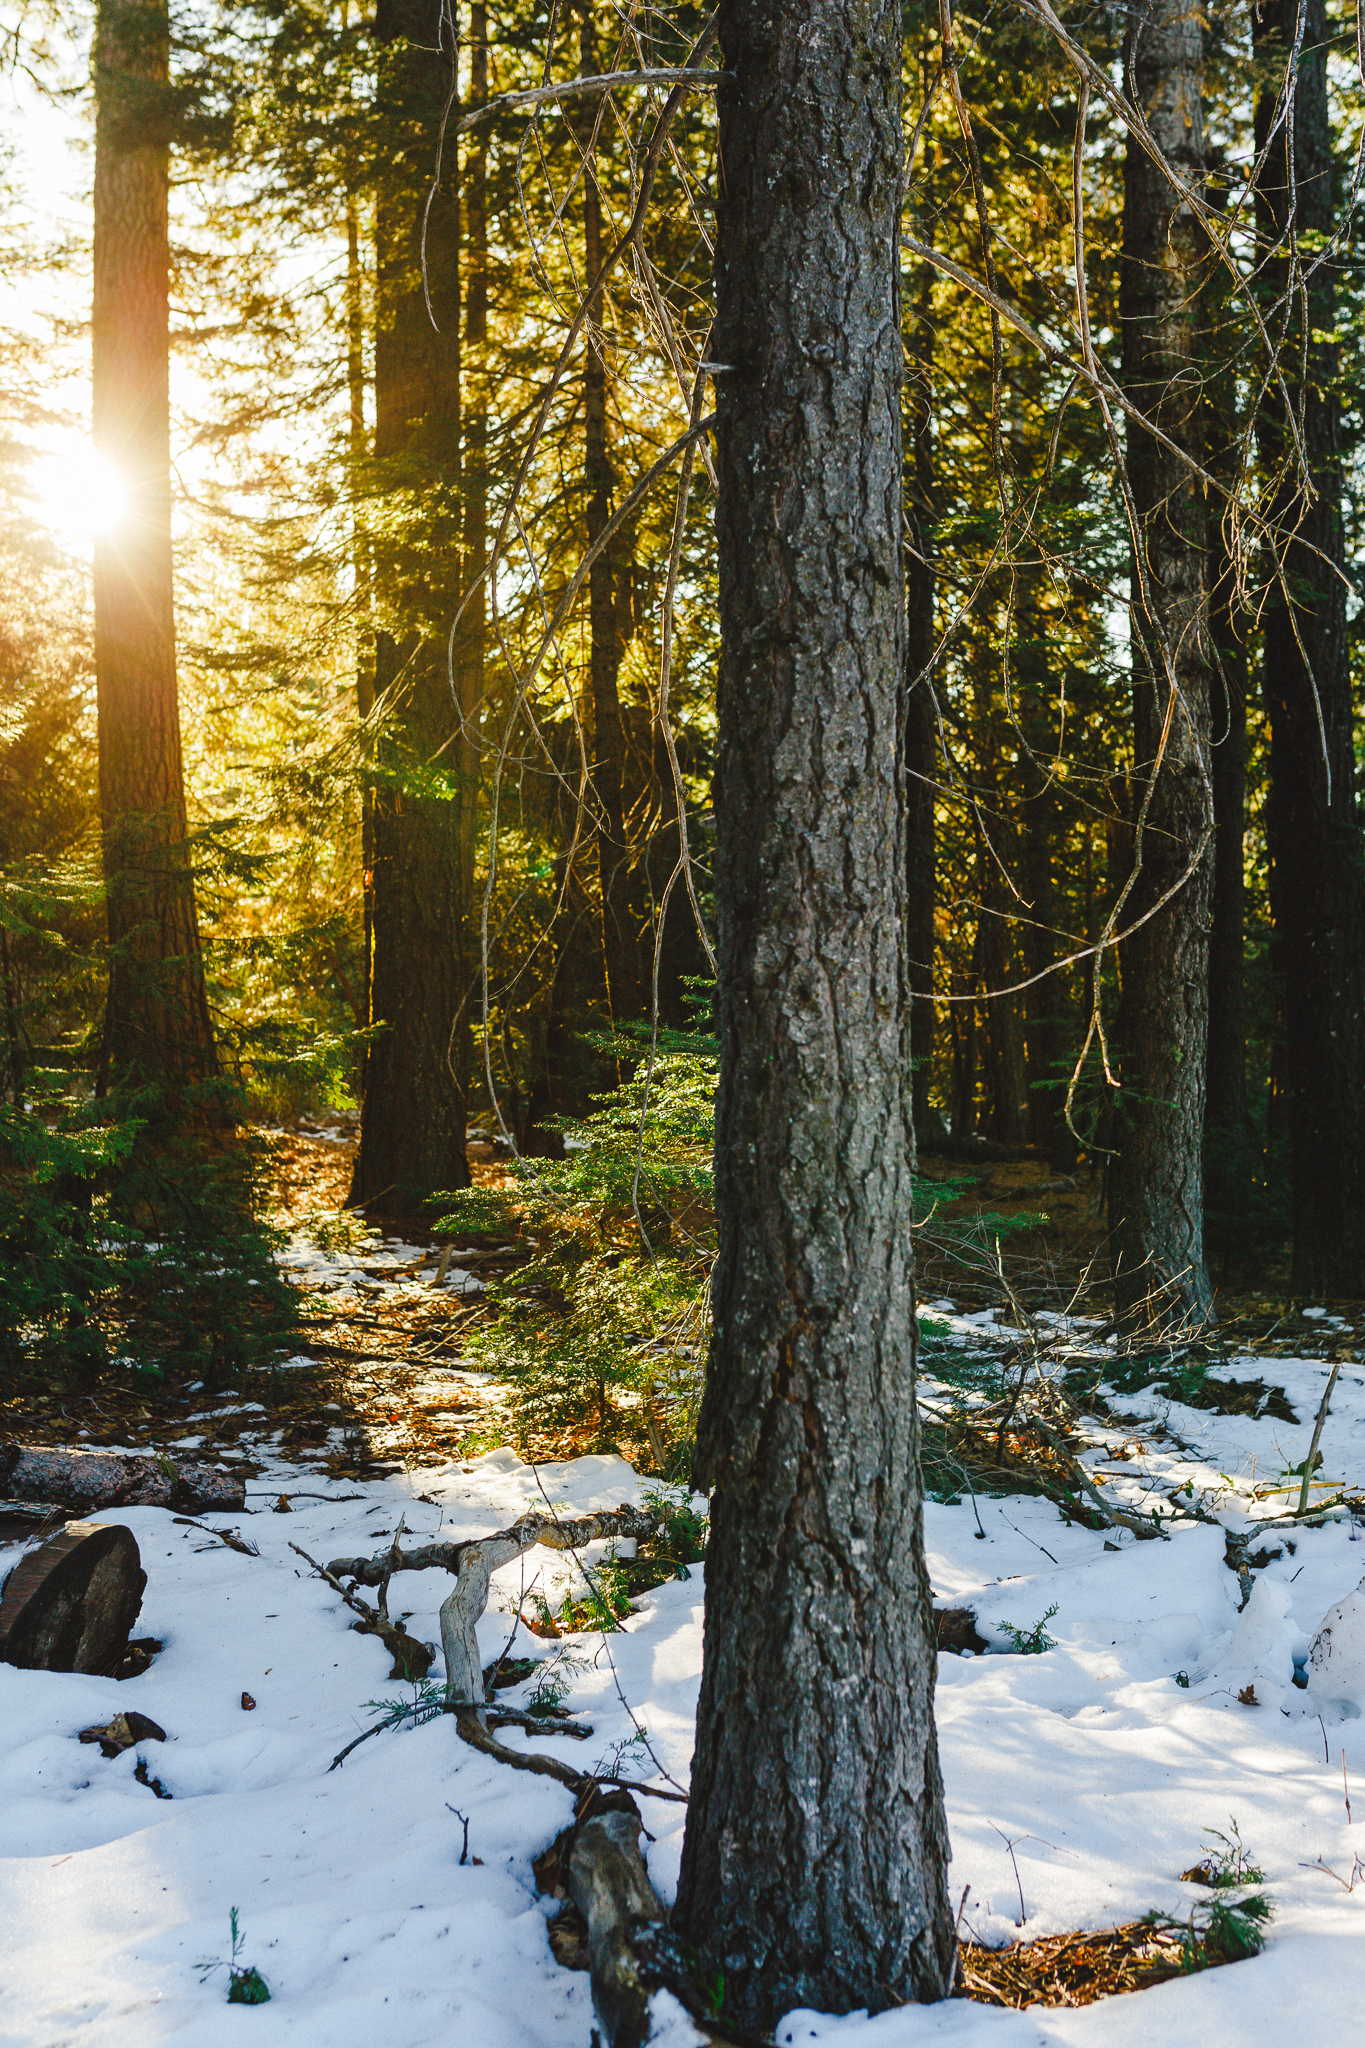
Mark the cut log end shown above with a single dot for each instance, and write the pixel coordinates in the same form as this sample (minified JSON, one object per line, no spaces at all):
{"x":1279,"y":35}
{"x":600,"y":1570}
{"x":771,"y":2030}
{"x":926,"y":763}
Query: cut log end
{"x":71,"y":1605}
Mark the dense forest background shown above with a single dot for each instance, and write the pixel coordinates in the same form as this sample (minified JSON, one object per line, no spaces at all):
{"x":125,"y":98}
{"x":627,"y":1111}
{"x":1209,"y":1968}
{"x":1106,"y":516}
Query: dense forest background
{"x":396,"y":804}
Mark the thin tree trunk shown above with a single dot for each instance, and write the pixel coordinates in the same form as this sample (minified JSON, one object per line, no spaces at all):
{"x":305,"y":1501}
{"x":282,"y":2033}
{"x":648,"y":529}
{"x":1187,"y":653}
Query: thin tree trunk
{"x":412,"y":1135}
{"x":157,"y":1019}
{"x":963,"y":1020}
{"x":362,"y":569}
{"x":1004,"y":1041}
{"x":471,"y":639}
{"x":1229,"y":1150}
{"x":1156,"y":1186}
{"x":813,"y":1868}
{"x":993,"y":955}
{"x":1041,"y":843}
{"x":12,"y":1031}
{"x":620,"y":932}
{"x":1312,"y":823}
{"x":1044,"y":1023}
{"x":921,"y":723}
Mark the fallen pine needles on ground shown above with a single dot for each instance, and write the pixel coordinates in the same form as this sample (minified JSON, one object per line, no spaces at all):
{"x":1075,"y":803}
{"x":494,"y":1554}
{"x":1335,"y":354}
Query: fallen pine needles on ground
{"x":1075,"y":1969}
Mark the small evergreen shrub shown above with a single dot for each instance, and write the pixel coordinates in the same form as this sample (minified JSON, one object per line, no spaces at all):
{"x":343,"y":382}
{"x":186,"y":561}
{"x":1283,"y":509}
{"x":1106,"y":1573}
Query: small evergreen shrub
{"x":1030,"y":1642}
{"x":134,"y":1237}
{"x":603,"y":1334}
{"x":1224,"y":1928}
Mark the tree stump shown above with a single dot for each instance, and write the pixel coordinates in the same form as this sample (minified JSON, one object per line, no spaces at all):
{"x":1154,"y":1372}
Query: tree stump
{"x":70,"y":1605}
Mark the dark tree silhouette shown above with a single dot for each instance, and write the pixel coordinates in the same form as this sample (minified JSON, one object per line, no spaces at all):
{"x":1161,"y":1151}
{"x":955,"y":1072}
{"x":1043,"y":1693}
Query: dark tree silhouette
{"x":1312,"y":822}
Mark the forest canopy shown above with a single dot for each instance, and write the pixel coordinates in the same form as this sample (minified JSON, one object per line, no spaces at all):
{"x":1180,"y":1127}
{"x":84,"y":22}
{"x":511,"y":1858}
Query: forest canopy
{"x":371,"y":770}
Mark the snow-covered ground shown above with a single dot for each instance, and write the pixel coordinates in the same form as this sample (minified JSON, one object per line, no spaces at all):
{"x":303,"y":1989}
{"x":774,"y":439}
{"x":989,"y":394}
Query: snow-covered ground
{"x":381,"y":1264}
{"x":1092,"y":1760}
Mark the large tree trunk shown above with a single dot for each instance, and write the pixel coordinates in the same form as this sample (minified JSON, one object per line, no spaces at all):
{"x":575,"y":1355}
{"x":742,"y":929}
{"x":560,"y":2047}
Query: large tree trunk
{"x":412,"y":1135}
{"x":1156,"y":1189}
{"x":813,"y":1869}
{"x":157,"y":1020}
{"x":1312,"y":824}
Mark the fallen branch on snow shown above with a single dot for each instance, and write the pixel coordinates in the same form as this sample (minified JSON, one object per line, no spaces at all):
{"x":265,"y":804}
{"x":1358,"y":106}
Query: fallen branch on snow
{"x":473,"y":1562}
{"x":411,"y":1659}
{"x":494,"y":1717}
{"x":470,"y":1725}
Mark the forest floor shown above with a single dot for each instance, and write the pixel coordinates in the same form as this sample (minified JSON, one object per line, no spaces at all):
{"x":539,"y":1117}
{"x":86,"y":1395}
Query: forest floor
{"x":1081,"y":1781}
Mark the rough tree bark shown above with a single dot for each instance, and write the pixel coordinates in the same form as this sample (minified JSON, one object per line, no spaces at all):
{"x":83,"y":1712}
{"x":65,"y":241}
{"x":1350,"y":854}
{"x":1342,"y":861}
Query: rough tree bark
{"x":1156,"y":1186}
{"x":1312,"y":824}
{"x":813,"y":1869}
{"x":412,"y":1135}
{"x":157,"y":1018}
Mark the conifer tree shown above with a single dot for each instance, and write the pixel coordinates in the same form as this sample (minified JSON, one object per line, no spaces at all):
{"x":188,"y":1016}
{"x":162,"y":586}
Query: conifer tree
{"x":412,"y":1136}
{"x":813,"y":1871}
{"x":1156,"y":1188}
{"x":157,"y":1020}
{"x":1312,"y":824}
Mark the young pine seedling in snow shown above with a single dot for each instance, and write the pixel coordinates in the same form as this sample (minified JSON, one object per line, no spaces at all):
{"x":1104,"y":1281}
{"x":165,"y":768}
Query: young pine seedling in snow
{"x":1225,"y":1929}
{"x":1031,"y":1642}
{"x":246,"y":1985}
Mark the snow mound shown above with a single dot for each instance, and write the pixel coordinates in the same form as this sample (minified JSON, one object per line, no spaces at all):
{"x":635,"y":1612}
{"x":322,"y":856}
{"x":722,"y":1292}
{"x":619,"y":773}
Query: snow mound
{"x":1336,"y":1660}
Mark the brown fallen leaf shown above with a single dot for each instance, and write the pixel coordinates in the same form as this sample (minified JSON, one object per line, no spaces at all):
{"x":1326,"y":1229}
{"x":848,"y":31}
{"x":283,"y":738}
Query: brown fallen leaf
{"x":247,"y":1702}
{"x":1247,"y":1697}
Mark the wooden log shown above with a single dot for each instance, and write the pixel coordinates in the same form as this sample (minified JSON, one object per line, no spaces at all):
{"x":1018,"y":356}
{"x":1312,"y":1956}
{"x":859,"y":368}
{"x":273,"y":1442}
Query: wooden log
{"x":610,"y":1886}
{"x":968,"y":1151}
{"x":616,"y":1926}
{"x":460,"y":1610}
{"x":556,"y":1532}
{"x":70,"y":1605}
{"x":83,"y":1482}
{"x":26,"y":1518}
